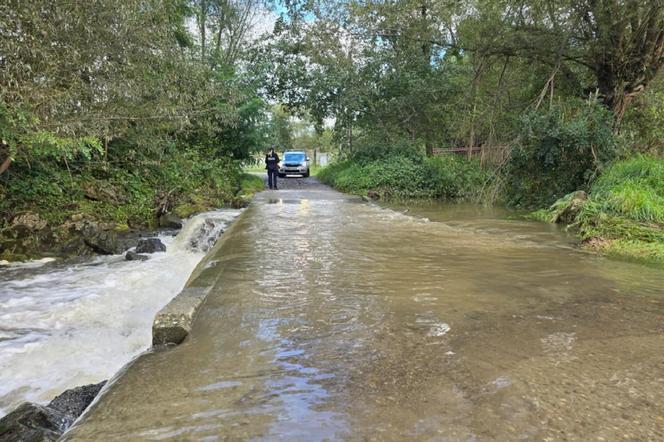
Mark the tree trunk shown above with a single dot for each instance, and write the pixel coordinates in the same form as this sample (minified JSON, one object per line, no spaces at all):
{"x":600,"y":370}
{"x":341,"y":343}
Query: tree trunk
{"x":614,"y":95}
{"x":471,"y":135}
{"x":202,"y":19}
{"x":427,"y":53}
{"x":5,"y":164}
{"x":426,"y":37}
{"x":428,"y":147}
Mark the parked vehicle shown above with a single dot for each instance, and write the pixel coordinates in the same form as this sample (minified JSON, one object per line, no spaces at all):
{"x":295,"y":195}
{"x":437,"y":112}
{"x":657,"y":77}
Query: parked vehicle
{"x":294,"y":162}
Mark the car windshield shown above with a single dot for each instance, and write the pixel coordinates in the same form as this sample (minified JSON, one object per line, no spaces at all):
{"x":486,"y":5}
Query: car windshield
{"x":294,"y":157}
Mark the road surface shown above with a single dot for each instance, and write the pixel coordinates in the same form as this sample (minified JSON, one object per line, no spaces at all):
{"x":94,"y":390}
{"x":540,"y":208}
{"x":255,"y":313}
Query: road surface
{"x":336,"y":319}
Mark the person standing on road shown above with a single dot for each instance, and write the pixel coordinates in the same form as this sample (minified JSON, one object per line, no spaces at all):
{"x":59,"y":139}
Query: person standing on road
{"x":272,"y":166}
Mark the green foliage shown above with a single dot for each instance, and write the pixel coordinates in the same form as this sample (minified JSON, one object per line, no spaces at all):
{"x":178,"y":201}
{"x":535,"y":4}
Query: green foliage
{"x":624,"y":215}
{"x":633,"y":189}
{"x":400,"y":176}
{"x":636,"y":251}
{"x":113,"y":111}
{"x":46,"y":145}
{"x":250,"y":184}
{"x":562,"y":210}
{"x":372,"y":146}
{"x":453,"y":177}
{"x":559,"y":151}
{"x":130,"y":195}
{"x":643,"y":127}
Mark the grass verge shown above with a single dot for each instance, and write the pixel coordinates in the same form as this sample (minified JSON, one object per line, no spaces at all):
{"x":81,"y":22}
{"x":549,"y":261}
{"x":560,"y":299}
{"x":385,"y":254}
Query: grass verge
{"x":623,"y":216}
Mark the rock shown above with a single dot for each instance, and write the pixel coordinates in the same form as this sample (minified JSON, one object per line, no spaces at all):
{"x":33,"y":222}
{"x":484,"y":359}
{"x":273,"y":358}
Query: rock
{"x":77,"y":217}
{"x":74,"y":247}
{"x":32,"y":422}
{"x":74,"y":401}
{"x":133,"y":256}
{"x":28,"y":222}
{"x":102,"y":242}
{"x":170,"y":221}
{"x":150,"y":245}
{"x":373,"y":195}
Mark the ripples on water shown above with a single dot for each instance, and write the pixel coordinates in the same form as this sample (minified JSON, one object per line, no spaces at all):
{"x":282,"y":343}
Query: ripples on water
{"x":67,"y":325}
{"x":333,"y":319}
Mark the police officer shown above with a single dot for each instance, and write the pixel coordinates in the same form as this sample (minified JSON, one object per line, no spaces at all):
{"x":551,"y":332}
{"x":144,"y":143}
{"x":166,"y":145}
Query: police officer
{"x":272,"y":166}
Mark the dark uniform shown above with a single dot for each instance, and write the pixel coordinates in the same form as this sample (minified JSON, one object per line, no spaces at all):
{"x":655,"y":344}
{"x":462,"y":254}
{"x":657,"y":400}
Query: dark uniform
{"x":272,"y":166}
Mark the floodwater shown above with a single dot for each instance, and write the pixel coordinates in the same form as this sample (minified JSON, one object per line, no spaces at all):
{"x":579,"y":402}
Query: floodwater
{"x":63,"y":324}
{"x":335,"y":319}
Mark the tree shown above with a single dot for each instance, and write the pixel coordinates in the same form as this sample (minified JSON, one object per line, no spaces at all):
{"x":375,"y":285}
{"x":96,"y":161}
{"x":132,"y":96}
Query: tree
{"x":619,"y":43}
{"x":76,"y":74}
{"x":222,"y":27}
{"x":282,"y":135}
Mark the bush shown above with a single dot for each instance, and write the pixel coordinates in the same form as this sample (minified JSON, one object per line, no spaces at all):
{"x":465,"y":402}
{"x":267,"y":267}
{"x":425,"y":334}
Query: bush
{"x":390,"y":177}
{"x":397,"y":176}
{"x":371,"y":147}
{"x":452,"y":176}
{"x":56,"y":194}
{"x":559,"y":151}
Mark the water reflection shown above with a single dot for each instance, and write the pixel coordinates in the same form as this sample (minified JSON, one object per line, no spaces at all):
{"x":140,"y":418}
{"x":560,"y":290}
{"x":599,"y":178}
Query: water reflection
{"x":332,"y":320}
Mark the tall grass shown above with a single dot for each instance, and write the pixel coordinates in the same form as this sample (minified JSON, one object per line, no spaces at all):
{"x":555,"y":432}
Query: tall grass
{"x":624,"y":215}
{"x":633,"y":188}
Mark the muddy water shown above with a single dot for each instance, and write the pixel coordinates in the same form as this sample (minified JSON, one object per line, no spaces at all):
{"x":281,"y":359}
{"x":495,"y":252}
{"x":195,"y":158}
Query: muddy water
{"x":335,"y":319}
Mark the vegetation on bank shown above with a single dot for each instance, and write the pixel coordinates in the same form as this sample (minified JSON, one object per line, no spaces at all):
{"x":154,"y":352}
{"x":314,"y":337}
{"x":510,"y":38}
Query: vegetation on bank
{"x":113,"y":123}
{"x":405,"y":173}
{"x":46,"y":208}
{"x":623,"y":215}
{"x":555,"y":95}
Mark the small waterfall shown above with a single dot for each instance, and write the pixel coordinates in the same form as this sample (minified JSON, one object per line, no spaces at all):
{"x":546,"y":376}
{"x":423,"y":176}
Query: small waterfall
{"x":64,"y":326}
{"x":200,"y":233}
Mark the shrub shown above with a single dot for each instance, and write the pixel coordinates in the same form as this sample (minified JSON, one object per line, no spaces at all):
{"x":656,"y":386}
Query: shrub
{"x":405,"y":177}
{"x":559,"y":151}
{"x":451,"y":176}
{"x":372,"y":146}
{"x":633,"y":188}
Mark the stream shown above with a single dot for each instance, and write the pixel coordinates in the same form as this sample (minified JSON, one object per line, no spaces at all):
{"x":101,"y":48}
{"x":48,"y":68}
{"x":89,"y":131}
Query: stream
{"x":65,"y":325}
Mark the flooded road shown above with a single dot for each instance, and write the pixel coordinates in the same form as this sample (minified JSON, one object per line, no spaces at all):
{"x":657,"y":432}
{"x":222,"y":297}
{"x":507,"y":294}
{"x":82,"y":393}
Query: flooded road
{"x":335,"y":319}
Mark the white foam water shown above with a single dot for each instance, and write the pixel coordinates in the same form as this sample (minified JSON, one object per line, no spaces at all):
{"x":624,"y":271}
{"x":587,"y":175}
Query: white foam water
{"x":61,"y":327}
